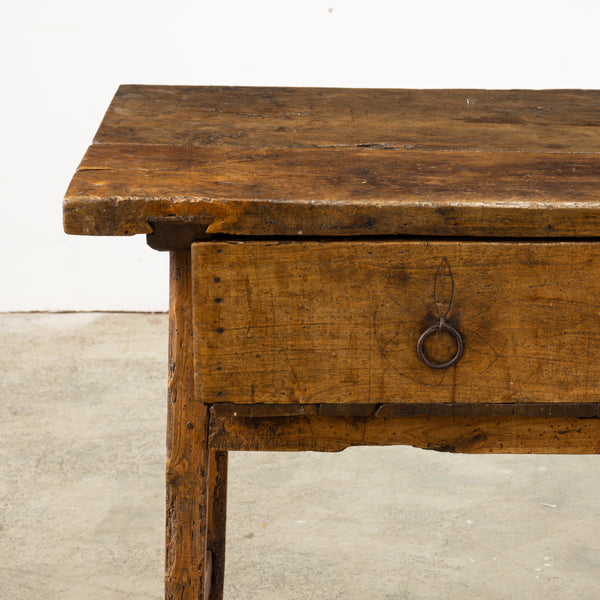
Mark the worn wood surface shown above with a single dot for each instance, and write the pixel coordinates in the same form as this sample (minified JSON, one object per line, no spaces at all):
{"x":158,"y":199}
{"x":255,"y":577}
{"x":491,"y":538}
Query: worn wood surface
{"x":546,"y":410}
{"x":225,"y":409}
{"x":474,"y":435}
{"x":255,"y":117}
{"x":335,"y":191}
{"x":268,"y":410}
{"x":338,"y":322}
{"x":312,"y":345}
{"x":186,"y":562}
{"x":406,"y":410}
{"x":217,"y":515}
{"x":318,"y":162}
{"x":208,"y":574}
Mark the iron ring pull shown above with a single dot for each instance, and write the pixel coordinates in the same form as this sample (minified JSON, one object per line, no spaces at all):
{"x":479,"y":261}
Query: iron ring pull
{"x":442,"y":324}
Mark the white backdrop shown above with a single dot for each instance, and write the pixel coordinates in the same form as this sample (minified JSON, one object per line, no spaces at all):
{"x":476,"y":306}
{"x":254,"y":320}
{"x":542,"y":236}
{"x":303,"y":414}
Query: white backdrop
{"x":62,"y":61}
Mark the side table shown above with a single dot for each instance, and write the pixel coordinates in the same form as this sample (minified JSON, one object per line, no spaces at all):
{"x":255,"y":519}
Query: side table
{"x":356,"y":267}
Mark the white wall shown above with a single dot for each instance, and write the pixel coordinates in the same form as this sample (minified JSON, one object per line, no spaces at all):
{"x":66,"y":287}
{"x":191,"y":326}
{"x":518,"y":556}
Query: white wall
{"x":62,"y":61}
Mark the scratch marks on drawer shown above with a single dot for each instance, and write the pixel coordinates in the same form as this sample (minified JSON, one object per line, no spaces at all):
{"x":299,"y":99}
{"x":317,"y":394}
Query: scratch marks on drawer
{"x":339,"y":321}
{"x":281,"y":345}
{"x":382,"y":345}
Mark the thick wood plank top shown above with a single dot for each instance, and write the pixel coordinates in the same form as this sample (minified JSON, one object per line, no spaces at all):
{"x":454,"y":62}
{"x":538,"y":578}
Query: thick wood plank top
{"x":322,"y":162}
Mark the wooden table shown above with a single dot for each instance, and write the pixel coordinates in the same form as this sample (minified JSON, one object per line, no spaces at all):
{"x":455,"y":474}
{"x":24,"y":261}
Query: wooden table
{"x":356,"y":267}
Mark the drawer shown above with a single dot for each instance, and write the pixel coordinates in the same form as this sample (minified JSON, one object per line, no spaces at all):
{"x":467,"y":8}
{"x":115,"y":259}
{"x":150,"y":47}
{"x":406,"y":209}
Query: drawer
{"x":379,"y":321}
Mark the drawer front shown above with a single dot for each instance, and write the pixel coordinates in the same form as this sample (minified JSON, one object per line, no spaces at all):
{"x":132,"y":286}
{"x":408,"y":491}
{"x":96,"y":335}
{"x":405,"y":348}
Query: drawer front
{"x":344,"y":322}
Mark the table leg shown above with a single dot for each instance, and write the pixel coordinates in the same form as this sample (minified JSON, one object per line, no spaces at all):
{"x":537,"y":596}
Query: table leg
{"x":187,"y":559}
{"x":216,"y":520}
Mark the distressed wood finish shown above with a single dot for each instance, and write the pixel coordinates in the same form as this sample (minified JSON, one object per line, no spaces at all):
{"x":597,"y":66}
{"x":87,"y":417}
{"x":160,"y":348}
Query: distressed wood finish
{"x":186,"y":563}
{"x":327,"y":162}
{"x":311,"y":344}
{"x":255,"y":117}
{"x":472,"y":435}
{"x":334,"y":191}
{"x":217,"y":514}
{"x":552,"y":410}
{"x":338,"y":322}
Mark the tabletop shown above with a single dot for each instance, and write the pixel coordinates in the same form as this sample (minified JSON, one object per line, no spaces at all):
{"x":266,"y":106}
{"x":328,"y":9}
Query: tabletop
{"x":342,"y":162}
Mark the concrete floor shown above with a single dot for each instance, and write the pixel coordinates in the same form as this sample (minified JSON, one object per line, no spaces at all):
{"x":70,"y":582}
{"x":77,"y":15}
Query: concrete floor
{"x":82,"y":415}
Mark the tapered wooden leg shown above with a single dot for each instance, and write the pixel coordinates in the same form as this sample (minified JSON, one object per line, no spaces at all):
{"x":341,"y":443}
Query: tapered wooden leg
{"x":216,"y":520}
{"x":187,"y":559}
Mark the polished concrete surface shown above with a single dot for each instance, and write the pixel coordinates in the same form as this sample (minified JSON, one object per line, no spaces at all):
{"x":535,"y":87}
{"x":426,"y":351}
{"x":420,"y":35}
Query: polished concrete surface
{"x":82,"y":416}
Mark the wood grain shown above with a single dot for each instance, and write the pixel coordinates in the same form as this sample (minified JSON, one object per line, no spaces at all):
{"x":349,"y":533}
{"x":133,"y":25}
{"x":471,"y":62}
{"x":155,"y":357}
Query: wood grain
{"x":186,"y":561}
{"x":472,"y":435}
{"x":338,"y":322}
{"x":334,"y":191}
{"x":330,"y":162}
{"x":255,"y":117}
{"x":311,"y":345}
{"x":552,"y":410}
{"x":217,"y":515}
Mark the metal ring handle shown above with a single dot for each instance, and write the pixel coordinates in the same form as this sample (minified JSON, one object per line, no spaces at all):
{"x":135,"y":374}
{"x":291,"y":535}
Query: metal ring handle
{"x":441,"y":326}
